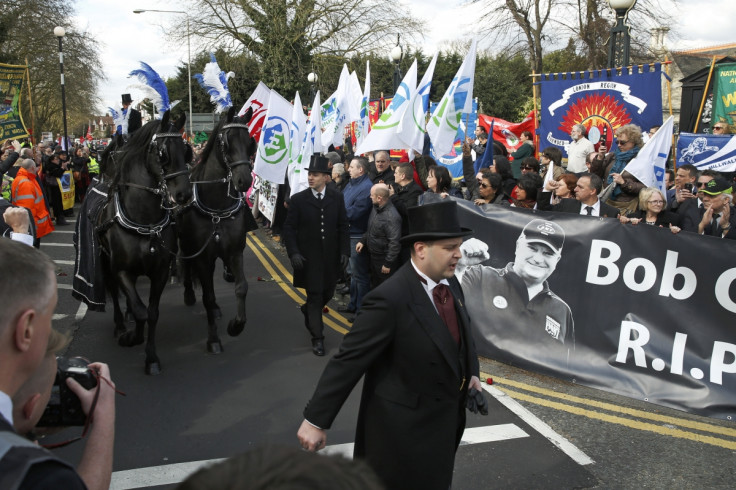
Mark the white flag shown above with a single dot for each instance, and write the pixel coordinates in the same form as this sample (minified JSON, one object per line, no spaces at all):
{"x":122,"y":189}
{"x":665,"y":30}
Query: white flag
{"x":272,"y":157}
{"x":296,"y":139}
{"x":411,"y":127}
{"x":258,"y":100}
{"x":363,"y":125}
{"x":335,"y":112}
{"x":311,"y":143}
{"x":649,"y":164}
{"x":442,"y":126}
{"x":355,"y":95}
{"x":384,"y":135}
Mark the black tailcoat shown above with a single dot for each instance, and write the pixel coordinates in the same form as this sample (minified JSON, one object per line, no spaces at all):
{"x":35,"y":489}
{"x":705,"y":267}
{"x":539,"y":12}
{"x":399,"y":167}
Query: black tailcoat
{"x":412,"y":409}
{"x":318,"y":230}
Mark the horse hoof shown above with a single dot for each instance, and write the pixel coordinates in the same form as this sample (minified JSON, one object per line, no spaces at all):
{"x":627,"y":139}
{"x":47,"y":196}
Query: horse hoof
{"x":228,"y":276}
{"x":235,"y":328}
{"x":189,"y":298}
{"x":216,"y":311}
{"x":153,"y":368}
{"x":214,"y":347}
{"x":129,"y":339}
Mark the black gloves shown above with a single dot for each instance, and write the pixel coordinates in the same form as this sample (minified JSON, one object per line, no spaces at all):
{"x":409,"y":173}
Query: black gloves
{"x":477,"y":402}
{"x":344,"y":259}
{"x":297,"y":262}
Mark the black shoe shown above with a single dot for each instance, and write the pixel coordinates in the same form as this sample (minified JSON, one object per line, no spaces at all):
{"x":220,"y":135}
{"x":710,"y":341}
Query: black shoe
{"x":318,"y":347}
{"x":345,"y":309}
{"x":303,"y":309}
{"x":69,"y":213}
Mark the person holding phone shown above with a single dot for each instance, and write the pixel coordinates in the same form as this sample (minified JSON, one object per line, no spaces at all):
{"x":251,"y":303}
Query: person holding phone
{"x":685,"y":187}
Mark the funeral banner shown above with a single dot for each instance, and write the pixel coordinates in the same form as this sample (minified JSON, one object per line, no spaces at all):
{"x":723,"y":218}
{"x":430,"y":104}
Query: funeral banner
{"x":724,"y":93}
{"x":11,"y":83}
{"x":631,"y":309}
{"x":707,"y":151}
{"x":600,"y":100}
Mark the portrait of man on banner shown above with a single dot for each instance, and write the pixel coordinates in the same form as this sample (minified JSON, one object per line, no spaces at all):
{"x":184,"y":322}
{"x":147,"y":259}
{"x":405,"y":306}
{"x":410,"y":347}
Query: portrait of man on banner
{"x":601,"y":101}
{"x":513,"y":307}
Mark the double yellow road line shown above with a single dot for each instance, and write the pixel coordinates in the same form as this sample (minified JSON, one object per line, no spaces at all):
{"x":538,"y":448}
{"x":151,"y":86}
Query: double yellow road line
{"x":283,"y":278}
{"x":607,"y":412}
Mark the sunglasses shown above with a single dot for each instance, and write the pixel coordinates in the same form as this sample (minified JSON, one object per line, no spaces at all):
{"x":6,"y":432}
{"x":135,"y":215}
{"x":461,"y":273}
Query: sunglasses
{"x":700,"y":184}
{"x":526,"y":167}
{"x":621,"y":142}
{"x":484,"y":185}
{"x":718,"y":128}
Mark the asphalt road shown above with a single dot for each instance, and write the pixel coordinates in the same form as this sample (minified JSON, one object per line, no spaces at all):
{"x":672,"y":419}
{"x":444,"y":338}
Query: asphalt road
{"x":541,"y":433}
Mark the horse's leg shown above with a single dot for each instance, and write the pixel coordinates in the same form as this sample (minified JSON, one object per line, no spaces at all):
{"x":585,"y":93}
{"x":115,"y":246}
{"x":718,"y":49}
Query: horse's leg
{"x":112,"y":289}
{"x":237,"y":324}
{"x":132,"y":337}
{"x":158,"y":282}
{"x":205,"y":271}
{"x":186,"y":270}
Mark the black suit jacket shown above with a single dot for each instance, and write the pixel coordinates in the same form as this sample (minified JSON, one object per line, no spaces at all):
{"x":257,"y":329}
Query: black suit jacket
{"x":412,"y":409}
{"x":692,"y":215}
{"x":134,"y":121}
{"x":569,"y":205}
{"x":317,"y":230}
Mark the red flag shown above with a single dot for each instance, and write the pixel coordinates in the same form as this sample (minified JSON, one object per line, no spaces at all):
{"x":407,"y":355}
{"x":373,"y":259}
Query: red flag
{"x":505,"y":132}
{"x":89,"y":133}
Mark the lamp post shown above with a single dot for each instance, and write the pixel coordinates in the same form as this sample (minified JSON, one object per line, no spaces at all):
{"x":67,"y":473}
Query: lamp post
{"x":620,"y":40}
{"x":312,"y":78}
{"x":189,"y":56}
{"x":60,"y":33}
{"x":397,"y":53}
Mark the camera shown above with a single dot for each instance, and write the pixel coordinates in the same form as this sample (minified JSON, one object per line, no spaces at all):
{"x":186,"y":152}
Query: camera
{"x":691,"y":187}
{"x":64,"y":408}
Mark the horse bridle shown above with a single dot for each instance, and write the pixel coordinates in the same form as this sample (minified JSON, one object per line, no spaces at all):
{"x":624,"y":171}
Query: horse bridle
{"x":221,"y":141}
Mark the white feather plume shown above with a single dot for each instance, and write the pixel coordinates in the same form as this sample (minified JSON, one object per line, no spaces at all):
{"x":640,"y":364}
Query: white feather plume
{"x":214,"y":81}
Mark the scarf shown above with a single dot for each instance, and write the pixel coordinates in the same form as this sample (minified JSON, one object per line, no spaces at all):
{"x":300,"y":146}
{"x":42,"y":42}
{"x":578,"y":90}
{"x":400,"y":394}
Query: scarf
{"x":622,"y":159}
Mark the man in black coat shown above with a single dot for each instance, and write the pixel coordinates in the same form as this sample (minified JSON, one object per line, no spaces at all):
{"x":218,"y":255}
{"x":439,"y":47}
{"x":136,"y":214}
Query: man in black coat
{"x":408,"y":430}
{"x":718,"y":215}
{"x":586,"y":200}
{"x":131,"y":117}
{"x":318,"y":243}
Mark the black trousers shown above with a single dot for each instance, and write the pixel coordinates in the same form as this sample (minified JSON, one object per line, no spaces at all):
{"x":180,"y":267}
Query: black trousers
{"x":316,"y":302}
{"x":377,"y":277}
{"x":55,"y":201}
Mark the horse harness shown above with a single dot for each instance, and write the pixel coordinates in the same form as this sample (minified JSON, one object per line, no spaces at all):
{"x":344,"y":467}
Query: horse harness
{"x":154,"y":230}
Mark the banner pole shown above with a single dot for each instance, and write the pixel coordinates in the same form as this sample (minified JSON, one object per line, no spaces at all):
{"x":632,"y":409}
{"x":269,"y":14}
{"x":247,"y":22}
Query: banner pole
{"x":534,"y":96}
{"x":30,"y":104}
{"x":669,"y":99}
{"x":705,"y":93}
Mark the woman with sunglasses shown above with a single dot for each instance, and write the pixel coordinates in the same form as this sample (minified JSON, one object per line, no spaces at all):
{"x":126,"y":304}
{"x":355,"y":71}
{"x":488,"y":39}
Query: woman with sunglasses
{"x":489,"y":189}
{"x":721,"y":127}
{"x":626,"y":187}
{"x":651,"y":211}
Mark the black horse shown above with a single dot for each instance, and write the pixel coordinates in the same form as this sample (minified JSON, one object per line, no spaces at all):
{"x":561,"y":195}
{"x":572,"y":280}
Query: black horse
{"x":135,"y":228}
{"x":216,"y":223}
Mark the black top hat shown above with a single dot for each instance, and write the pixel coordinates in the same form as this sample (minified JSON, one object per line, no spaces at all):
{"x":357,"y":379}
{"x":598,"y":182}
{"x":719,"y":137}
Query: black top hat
{"x":318,"y":163}
{"x":434,"y":222}
{"x":127,"y":99}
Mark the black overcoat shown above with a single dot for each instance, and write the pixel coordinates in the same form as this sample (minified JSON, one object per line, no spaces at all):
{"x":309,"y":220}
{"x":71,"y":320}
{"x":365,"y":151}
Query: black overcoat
{"x":318,"y":230}
{"x":412,"y":409}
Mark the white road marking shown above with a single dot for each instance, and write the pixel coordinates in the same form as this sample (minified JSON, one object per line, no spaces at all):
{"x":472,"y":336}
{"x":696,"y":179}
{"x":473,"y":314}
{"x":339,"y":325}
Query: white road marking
{"x":175,"y":473}
{"x":52,"y":244}
{"x":64,"y":262}
{"x":566,"y":446}
{"x":59,"y":316}
{"x":63,"y":286}
{"x":63,"y":231}
{"x":81,"y":311}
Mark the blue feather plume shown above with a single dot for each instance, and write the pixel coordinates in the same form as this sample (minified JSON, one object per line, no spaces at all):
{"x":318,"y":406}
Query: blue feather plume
{"x":117,"y":118}
{"x":154,"y":86}
{"x":214,"y":81}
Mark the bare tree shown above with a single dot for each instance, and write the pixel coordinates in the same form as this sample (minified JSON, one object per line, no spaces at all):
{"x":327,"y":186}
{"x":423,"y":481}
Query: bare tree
{"x":31,"y":37}
{"x":285,"y":35}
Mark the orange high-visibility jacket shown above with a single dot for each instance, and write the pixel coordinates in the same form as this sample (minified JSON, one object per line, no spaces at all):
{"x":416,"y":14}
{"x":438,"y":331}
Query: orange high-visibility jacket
{"x":27,"y":193}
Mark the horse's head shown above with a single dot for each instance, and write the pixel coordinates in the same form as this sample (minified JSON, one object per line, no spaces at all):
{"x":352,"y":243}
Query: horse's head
{"x":237,"y":148}
{"x":173,"y":156}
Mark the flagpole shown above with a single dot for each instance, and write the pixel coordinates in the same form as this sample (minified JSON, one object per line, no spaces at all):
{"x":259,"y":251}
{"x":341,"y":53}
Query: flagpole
{"x":534,"y":96}
{"x":705,"y":93}
{"x":30,"y":103}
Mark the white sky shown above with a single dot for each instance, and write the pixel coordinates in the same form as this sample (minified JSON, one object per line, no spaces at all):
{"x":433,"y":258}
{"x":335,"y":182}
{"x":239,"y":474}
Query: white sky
{"x":126,"y":38}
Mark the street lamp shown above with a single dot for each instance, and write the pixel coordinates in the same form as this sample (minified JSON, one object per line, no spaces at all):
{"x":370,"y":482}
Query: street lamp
{"x":620,"y":40}
{"x":312,"y":78}
{"x":189,"y":57}
{"x":60,"y":33}
{"x":397,"y":53}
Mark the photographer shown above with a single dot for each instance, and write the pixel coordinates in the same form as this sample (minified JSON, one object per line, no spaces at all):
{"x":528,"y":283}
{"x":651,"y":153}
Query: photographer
{"x":25,"y":335}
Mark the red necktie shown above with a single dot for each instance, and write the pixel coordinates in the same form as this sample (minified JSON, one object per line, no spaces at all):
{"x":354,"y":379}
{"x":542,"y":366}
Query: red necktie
{"x":446,"y":308}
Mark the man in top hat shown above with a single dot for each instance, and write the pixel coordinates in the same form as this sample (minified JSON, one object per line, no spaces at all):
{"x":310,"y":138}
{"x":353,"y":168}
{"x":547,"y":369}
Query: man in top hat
{"x":409,"y":426}
{"x":131,"y":119}
{"x":718,"y":215}
{"x":515,"y":314}
{"x":318,"y":243}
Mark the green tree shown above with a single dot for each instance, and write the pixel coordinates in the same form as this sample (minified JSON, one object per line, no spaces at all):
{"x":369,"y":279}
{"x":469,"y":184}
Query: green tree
{"x":29,"y":35}
{"x":565,"y":60}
